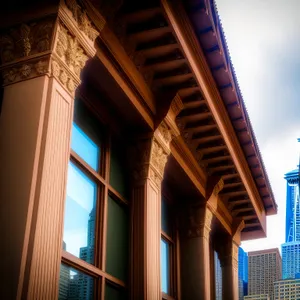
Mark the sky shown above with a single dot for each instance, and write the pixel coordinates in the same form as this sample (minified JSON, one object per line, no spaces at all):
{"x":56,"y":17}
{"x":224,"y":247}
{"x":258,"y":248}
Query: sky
{"x":263,"y":38}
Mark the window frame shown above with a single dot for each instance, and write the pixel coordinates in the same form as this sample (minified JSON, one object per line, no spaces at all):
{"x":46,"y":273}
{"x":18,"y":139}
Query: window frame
{"x":173,"y":246}
{"x":104,"y":189}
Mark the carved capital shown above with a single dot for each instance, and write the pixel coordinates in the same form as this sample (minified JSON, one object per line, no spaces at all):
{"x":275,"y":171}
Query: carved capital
{"x":228,"y":253}
{"x":199,"y":222}
{"x":26,"y":40}
{"x":149,"y":157}
{"x":82,"y":20}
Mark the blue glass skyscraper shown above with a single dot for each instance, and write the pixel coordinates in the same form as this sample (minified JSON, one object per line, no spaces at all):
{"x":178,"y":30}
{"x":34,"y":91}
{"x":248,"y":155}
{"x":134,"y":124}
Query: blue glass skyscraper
{"x":243,"y":273}
{"x":291,"y":247}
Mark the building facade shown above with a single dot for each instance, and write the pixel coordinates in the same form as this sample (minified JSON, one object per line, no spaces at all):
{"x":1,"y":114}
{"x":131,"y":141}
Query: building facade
{"x":264,"y":270}
{"x":243,"y":274}
{"x":291,"y":247}
{"x":257,"y":297}
{"x":287,"y":289}
{"x":127,"y":156}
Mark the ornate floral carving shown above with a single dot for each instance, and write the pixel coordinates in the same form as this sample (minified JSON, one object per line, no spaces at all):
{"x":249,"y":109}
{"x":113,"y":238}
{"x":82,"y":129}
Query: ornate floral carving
{"x":158,"y":157}
{"x":165,"y":132}
{"x":41,"y":67}
{"x":70,"y":51}
{"x":26,"y":40}
{"x":63,"y":76}
{"x":83,"y":21}
{"x":25,"y":70}
{"x":10,"y":75}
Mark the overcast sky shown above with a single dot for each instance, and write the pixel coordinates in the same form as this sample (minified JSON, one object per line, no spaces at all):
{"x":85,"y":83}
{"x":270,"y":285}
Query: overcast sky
{"x":263,"y":37}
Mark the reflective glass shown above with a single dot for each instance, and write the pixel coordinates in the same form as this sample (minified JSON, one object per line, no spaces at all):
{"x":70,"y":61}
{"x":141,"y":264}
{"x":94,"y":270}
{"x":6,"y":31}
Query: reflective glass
{"x":80,"y":215}
{"x":165,"y":217}
{"x":85,"y":147}
{"x":117,"y":240}
{"x":164,"y":264}
{"x":74,"y":284}
{"x":118,"y":171}
{"x":112,"y":293}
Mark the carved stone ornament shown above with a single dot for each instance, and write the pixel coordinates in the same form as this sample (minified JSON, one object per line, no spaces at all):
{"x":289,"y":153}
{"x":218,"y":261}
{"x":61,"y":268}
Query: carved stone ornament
{"x":83,"y":21}
{"x":199,"y":224}
{"x":26,"y":40}
{"x":165,"y":133}
{"x":24,"y":71}
{"x":159,"y":157}
{"x":70,"y":51}
{"x":63,"y":76}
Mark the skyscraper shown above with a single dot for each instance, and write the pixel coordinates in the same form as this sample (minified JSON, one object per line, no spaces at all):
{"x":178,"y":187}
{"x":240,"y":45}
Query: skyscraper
{"x":218,"y":277}
{"x":291,"y":247}
{"x":243,"y":273}
{"x":264,"y":270}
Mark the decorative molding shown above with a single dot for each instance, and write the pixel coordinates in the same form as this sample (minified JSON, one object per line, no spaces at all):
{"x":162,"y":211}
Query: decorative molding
{"x":26,"y":40}
{"x":218,"y":187}
{"x":70,"y":51}
{"x":26,"y":70}
{"x":158,"y":157}
{"x":199,"y":222}
{"x":84,"y":23}
{"x":165,"y":132}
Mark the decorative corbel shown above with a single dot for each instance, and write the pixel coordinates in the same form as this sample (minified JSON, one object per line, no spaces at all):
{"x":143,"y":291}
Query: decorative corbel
{"x":214,"y":187}
{"x":237,"y":227}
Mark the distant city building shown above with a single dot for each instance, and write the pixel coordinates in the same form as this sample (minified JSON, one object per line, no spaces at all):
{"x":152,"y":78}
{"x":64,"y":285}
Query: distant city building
{"x":291,"y":248}
{"x":243,"y":273}
{"x":287,"y":289}
{"x":264,"y":269}
{"x":78,"y":286}
{"x":218,"y":277}
{"x":257,"y":297}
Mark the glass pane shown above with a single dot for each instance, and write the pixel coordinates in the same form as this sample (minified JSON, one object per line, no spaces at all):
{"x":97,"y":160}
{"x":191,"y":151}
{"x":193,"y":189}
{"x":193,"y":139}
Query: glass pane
{"x":117,"y":240}
{"x":118,"y":172}
{"x":112,"y":293}
{"x":86,"y":138}
{"x":74,"y":284}
{"x":85,"y":147}
{"x":165,"y":217}
{"x":164,"y":257}
{"x":80,"y":215}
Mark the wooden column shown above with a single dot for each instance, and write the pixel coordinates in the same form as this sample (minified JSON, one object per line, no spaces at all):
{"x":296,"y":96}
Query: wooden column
{"x":195,"y":254}
{"x":41,"y":65}
{"x":150,"y":155}
{"x":229,"y":262}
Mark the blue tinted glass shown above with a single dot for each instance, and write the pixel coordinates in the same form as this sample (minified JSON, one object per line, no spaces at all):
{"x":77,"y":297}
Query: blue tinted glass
{"x":164,"y":264}
{"x":85,"y":147}
{"x":80,"y":214}
{"x":74,"y":284}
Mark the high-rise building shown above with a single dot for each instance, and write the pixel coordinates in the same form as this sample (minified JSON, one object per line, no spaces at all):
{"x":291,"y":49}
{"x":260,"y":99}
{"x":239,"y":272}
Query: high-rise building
{"x":264,"y":269}
{"x":291,"y":247}
{"x":257,"y":297}
{"x":218,"y":277}
{"x":288,"y":289}
{"x":243,"y":273}
{"x":292,"y":218}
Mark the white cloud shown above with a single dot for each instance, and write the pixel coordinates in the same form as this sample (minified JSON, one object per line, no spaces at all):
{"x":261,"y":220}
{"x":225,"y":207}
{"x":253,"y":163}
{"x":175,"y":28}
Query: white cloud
{"x":264,"y":42}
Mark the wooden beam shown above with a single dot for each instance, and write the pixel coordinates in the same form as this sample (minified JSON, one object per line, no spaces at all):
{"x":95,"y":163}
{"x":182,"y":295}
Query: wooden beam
{"x":193,"y":52}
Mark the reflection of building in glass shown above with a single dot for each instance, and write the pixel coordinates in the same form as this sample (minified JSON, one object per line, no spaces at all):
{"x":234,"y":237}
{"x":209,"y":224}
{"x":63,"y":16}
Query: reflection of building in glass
{"x":287,"y":289}
{"x":85,"y":283}
{"x":64,"y":279}
{"x":218,"y":277}
{"x":243,"y":274}
{"x":79,"y":286}
{"x":291,"y":247}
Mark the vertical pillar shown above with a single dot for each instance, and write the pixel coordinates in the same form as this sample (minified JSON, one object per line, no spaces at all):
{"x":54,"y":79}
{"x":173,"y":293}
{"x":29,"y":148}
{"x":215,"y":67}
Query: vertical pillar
{"x":41,"y":65}
{"x":229,"y":262}
{"x":195,"y":254}
{"x":150,"y":155}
